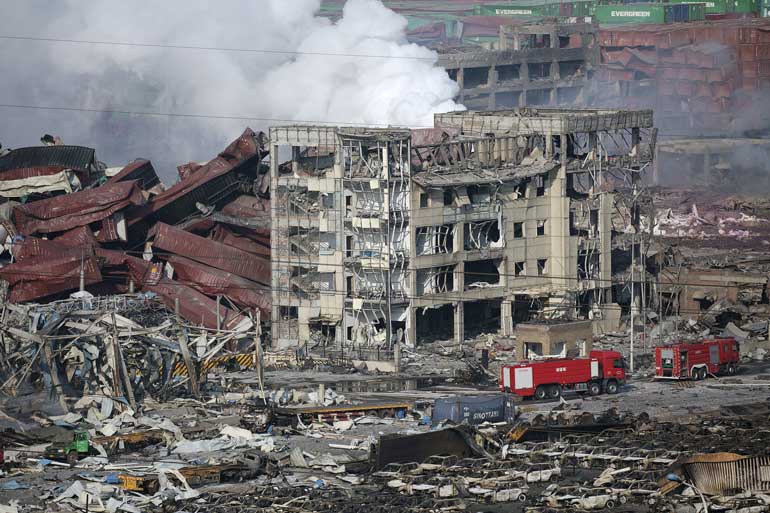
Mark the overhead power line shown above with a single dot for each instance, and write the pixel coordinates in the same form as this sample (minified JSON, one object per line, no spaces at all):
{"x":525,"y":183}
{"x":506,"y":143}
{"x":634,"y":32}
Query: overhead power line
{"x":210,"y":48}
{"x":197,"y":116}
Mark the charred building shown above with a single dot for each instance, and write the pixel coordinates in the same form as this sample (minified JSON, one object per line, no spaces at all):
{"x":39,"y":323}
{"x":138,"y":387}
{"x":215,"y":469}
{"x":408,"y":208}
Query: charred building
{"x":384,"y":235}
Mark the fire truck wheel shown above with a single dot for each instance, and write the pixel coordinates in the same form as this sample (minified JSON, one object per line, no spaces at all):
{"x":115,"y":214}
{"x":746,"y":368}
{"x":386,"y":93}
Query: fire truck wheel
{"x":703,"y":373}
{"x":554,"y":391}
{"x":540,"y":392}
{"x":730,"y":369}
{"x":594,"y":389}
{"x":612,"y":387}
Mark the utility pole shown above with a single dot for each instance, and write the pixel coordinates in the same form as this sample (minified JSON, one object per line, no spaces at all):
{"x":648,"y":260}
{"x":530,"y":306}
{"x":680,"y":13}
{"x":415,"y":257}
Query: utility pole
{"x":82,"y":272}
{"x":633,"y":264}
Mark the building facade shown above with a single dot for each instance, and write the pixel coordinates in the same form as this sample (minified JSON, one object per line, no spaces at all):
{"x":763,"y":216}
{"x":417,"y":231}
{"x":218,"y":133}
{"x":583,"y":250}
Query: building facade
{"x":391,"y":235}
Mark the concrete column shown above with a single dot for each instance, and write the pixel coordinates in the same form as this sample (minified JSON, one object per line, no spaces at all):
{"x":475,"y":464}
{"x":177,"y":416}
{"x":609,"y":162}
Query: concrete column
{"x":459,"y":237}
{"x":506,"y":318}
{"x":459,"y":321}
{"x":635,"y":138}
{"x":560,"y":265}
{"x":555,"y":71}
{"x":523,"y":98}
{"x":516,"y":43}
{"x":492,"y":77}
{"x":411,"y":327}
{"x":458,"y":276}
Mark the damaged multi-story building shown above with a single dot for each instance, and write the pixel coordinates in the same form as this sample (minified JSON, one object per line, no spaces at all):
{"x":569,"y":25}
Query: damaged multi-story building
{"x":385,"y":235}
{"x":547,"y":64}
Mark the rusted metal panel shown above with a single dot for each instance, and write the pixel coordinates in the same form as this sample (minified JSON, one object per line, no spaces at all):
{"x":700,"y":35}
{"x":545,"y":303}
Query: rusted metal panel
{"x":209,"y":252}
{"x":213,"y":184}
{"x":246,"y":206}
{"x":39,"y":160}
{"x":62,"y":213}
{"x":185,"y":170}
{"x":139,"y":270}
{"x":718,"y":473}
{"x":32,"y":248}
{"x":80,"y":236}
{"x":214,"y":282}
{"x":140,"y":170}
{"x":43,"y":276}
{"x":252,"y":243}
{"x":197,"y":308}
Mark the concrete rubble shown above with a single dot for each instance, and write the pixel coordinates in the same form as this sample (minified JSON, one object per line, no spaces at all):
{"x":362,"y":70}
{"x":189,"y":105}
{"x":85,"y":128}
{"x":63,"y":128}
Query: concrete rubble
{"x":308,"y":322}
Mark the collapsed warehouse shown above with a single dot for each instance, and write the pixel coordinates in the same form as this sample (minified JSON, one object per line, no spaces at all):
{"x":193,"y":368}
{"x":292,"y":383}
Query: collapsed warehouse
{"x":109,"y":277}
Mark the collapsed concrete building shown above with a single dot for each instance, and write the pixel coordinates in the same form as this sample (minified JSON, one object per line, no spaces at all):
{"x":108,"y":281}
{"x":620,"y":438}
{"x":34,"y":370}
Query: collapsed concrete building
{"x":547,"y":64}
{"x":391,"y":235}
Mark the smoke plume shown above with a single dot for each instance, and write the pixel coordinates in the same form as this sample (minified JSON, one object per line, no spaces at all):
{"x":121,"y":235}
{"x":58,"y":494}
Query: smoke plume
{"x":405,"y":88}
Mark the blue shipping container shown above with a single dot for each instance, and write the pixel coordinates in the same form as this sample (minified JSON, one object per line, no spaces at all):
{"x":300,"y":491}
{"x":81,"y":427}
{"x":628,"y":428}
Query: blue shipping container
{"x":474,"y":410}
{"x":677,"y":13}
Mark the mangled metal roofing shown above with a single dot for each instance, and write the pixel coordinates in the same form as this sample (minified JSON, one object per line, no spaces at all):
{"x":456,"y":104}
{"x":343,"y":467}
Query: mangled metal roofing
{"x":198,"y":308}
{"x":46,"y":160}
{"x":250,"y":242}
{"x":140,"y":170}
{"x":43,"y":277}
{"x":209,"y":252}
{"x":214,"y":282}
{"x":212,"y":184}
{"x":62,"y":213}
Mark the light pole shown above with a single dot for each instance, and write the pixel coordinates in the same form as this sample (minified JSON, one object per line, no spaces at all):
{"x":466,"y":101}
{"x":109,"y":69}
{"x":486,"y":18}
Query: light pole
{"x":676,"y":479}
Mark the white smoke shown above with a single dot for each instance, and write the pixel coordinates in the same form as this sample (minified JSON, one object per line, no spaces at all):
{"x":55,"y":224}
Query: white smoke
{"x":405,"y":90}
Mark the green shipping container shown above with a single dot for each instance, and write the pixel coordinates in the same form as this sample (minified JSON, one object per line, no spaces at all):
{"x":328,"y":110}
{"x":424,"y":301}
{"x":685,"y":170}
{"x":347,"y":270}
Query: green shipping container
{"x":518,"y":9}
{"x":697,"y":12}
{"x":714,"y":6}
{"x":746,"y":6}
{"x":511,"y":11}
{"x":630,"y":13}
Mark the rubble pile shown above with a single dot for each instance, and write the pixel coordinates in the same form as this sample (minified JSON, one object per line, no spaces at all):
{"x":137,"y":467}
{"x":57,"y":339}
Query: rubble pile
{"x":119,"y":231}
{"x":174,"y":276}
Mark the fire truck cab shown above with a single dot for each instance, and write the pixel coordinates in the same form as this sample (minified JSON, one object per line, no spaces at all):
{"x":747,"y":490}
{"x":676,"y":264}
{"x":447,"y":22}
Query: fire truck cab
{"x":697,"y":360}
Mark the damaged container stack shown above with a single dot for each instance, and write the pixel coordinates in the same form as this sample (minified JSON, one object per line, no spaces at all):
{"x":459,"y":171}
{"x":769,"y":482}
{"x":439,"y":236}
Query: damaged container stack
{"x":697,"y":75}
{"x":202,"y":246}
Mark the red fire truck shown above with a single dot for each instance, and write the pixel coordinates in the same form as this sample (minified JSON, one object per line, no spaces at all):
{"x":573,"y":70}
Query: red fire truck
{"x":697,"y":360}
{"x":602,"y":371}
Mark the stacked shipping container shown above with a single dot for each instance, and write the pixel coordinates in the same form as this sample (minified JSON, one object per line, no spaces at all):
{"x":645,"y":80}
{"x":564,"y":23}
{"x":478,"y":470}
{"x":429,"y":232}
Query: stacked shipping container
{"x":693,"y":75}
